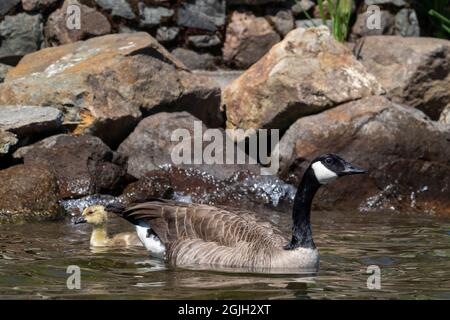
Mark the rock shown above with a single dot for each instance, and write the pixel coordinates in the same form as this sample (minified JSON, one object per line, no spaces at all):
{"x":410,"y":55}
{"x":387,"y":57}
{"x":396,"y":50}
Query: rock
{"x":202,"y":14}
{"x":204,"y":41}
{"x":167,"y":34}
{"x":19,"y":35}
{"x":387,"y":20}
{"x":153,"y":16}
{"x":398,"y":3}
{"x":83,"y":165}
{"x":28,"y":194}
{"x":4,"y":69}
{"x":7,"y":5}
{"x":305,"y":73}
{"x":38,"y":5}
{"x":445,"y":115}
{"x":313,"y":23}
{"x":375,"y":134}
{"x":104,"y":85}
{"x":26,"y":121}
{"x":149,"y":146}
{"x":301,"y":6}
{"x":93,"y":24}
{"x":282,"y":20}
{"x":414,"y":71}
{"x":222,"y":77}
{"x":118,"y":8}
{"x":253,"y":2}
{"x":247,"y":39}
{"x":194,"y":60}
{"x":7,"y":141}
{"x":407,"y":24}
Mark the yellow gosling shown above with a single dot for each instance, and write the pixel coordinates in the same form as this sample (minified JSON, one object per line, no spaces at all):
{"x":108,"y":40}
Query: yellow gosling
{"x":98,"y":218}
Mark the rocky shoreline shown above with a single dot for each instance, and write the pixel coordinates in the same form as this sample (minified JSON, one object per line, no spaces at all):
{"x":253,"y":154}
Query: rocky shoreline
{"x":95,"y":117}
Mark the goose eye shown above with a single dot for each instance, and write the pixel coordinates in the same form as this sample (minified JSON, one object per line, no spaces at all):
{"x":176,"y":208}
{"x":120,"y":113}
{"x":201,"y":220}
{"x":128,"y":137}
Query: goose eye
{"x":328,"y":161}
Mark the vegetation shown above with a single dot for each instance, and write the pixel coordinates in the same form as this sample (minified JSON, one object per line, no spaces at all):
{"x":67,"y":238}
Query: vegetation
{"x":435,"y":17}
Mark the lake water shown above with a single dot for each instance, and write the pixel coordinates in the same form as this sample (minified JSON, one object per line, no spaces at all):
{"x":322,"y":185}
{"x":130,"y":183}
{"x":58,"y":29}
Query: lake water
{"x":412,"y":252}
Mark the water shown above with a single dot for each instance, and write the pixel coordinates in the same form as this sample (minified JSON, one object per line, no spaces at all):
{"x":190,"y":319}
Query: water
{"x":413,"y":252}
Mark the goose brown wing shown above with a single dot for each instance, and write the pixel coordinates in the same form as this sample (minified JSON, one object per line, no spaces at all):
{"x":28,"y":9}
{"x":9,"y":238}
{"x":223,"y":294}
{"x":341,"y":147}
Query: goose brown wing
{"x":174,"y":221}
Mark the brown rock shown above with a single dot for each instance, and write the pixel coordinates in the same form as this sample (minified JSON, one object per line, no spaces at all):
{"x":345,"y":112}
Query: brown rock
{"x":28,"y":193}
{"x":92,"y":24}
{"x":445,"y":115}
{"x":83,"y":165}
{"x":247,"y":39}
{"x":305,"y":73}
{"x":387,"y":20}
{"x":414,"y":71}
{"x":406,"y":155}
{"x":104,"y":84}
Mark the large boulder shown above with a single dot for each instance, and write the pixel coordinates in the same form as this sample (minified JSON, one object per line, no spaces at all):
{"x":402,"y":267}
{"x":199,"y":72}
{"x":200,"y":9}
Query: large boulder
{"x":104,"y":85}
{"x":28,"y":193}
{"x":305,"y":73}
{"x":414,"y":71}
{"x":92,"y":24}
{"x":150,"y":146}
{"x":83,"y":165}
{"x":405,"y":152}
{"x":20,"y":35}
{"x":247,"y":39}
{"x":28,"y":120}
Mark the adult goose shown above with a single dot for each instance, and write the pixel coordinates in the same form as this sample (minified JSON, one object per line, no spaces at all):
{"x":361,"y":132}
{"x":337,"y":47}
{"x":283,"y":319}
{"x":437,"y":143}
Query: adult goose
{"x":203,"y":236}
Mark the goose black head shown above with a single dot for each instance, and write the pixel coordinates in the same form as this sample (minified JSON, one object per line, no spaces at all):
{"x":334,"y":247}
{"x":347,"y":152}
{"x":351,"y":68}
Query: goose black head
{"x":329,"y":167}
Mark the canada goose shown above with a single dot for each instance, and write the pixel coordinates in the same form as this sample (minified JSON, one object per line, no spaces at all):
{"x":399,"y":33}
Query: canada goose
{"x":97,"y":216}
{"x":218,"y":237}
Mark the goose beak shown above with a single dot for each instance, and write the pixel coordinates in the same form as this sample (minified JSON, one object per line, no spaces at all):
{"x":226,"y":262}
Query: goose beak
{"x":349,"y":169}
{"x":80,"y":220}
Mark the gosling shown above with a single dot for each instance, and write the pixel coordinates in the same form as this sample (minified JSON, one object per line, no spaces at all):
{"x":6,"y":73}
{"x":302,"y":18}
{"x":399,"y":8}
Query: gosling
{"x":98,"y":218}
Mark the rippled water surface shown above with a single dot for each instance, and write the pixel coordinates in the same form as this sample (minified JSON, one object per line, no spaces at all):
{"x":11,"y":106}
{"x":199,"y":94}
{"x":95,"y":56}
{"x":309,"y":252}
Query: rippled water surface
{"x":413,"y":252}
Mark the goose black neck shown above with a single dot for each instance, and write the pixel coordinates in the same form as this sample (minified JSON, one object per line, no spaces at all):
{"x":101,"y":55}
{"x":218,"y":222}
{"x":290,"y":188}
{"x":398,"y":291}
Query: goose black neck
{"x":301,"y":213}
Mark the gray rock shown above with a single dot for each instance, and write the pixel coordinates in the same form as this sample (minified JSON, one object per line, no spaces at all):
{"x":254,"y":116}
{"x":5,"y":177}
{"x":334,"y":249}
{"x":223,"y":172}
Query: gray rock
{"x":445,"y":115}
{"x":313,"y":23}
{"x":194,"y":60}
{"x":387,"y":25}
{"x":398,"y":3}
{"x":118,"y":8}
{"x":407,"y":24}
{"x":301,"y":6}
{"x":167,"y":34}
{"x":282,"y":20}
{"x":202,"y":14}
{"x":153,"y":16}
{"x":7,"y":5}
{"x":27,"y":120}
{"x":7,"y":141}
{"x":4,"y":68}
{"x":204,"y":41}
{"x":20,"y":34}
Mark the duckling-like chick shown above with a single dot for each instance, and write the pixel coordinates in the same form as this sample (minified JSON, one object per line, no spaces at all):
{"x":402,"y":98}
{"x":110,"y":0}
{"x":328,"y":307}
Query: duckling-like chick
{"x":98,"y":218}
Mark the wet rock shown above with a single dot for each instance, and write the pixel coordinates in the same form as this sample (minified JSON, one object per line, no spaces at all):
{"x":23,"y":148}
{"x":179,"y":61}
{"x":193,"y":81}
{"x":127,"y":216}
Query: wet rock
{"x":445,"y":115}
{"x":281,"y":19}
{"x":375,"y":134}
{"x":194,"y":60}
{"x":407,"y":24}
{"x":19,"y":35}
{"x":387,"y":20}
{"x":118,"y":8}
{"x":28,"y":120}
{"x":105,"y":84}
{"x":38,"y":5}
{"x":167,"y":34}
{"x":202,"y":14}
{"x":398,"y":3}
{"x":204,"y":41}
{"x":93,"y":24}
{"x":247,"y":39}
{"x":305,"y":73}
{"x":414,"y":71}
{"x":28,"y":193}
{"x":83,"y":165}
{"x":7,"y":141}
{"x":4,"y":68}
{"x":153,"y":16}
{"x":7,"y":5}
{"x":149,"y":146}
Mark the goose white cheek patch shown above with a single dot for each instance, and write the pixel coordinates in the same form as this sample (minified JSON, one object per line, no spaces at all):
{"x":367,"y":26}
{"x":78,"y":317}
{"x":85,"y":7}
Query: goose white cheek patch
{"x":323,"y":174}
